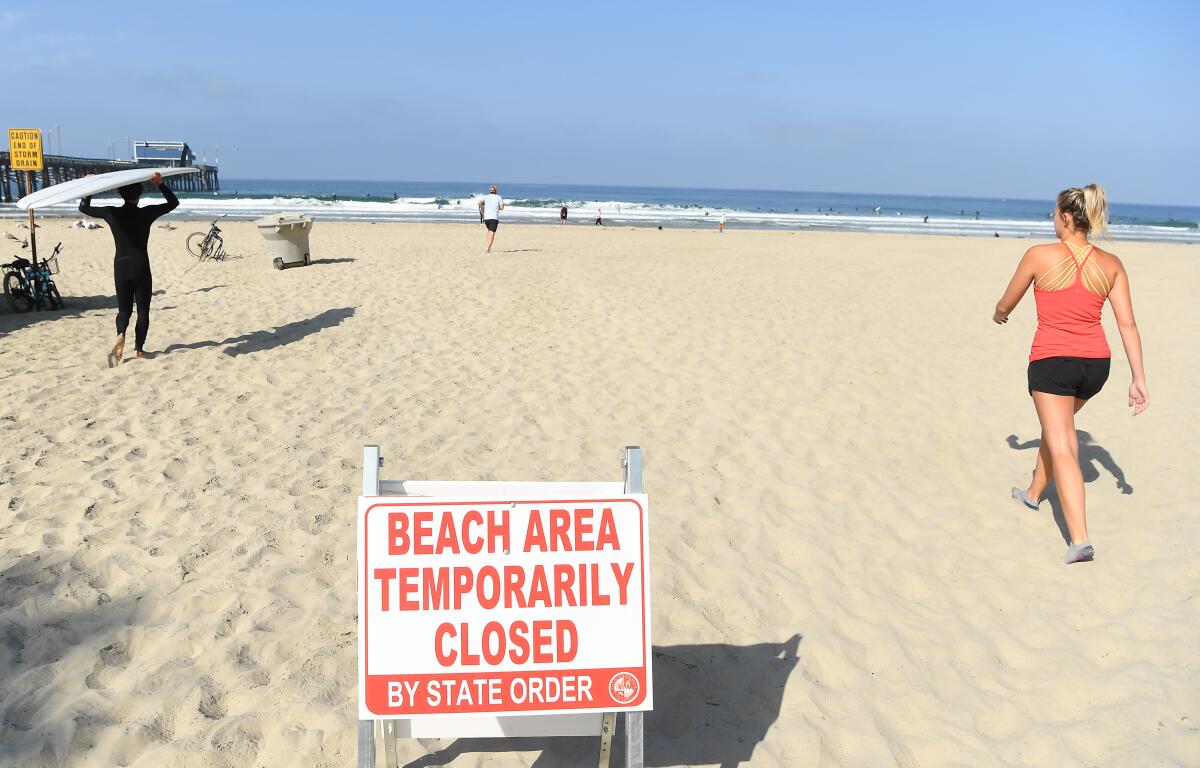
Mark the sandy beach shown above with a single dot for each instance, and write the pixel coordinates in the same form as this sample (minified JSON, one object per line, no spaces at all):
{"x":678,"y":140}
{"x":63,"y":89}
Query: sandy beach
{"x":832,"y":424}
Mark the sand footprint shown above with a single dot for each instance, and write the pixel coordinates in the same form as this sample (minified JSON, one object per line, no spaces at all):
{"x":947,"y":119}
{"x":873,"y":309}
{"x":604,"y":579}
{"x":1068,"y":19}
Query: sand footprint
{"x":212,"y":700}
{"x":239,"y":741}
{"x":109,"y":661}
{"x":133,"y":743}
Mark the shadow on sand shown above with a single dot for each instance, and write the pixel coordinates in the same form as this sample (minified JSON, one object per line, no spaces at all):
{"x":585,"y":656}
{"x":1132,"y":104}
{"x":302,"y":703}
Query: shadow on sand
{"x":205,"y":290}
{"x":50,"y":619}
{"x":712,"y":705}
{"x":258,"y":341}
{"x":73,"y":306}
{"x":342,"y":260}
{"x":1091,"y":456}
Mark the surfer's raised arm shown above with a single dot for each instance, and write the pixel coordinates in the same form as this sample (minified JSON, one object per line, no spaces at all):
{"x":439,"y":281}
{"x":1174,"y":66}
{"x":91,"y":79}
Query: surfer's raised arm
{"x":172,"y":201}
{"x":87,"y":209}
{"x":85,"y":205}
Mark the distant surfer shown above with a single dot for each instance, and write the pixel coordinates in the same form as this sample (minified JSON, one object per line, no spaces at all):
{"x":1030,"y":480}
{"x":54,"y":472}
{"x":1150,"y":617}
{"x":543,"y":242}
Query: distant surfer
{"x":130,"y":227}
{"x":489,"y":208}
{"x":562,"y":215}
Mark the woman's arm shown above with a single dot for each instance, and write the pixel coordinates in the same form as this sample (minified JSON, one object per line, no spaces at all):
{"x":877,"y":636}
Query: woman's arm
{"x":1118,"y":297}
{"x":1020,"y":282}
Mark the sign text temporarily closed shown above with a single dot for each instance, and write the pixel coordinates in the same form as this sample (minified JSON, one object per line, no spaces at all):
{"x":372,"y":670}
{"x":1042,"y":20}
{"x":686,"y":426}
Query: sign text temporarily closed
{"x":25,"y":149}
{"x":503,"y":607}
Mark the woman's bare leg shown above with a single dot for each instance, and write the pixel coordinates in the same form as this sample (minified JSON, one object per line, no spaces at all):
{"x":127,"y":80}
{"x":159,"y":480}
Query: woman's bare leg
{"x":1043,"y":470}
{"x":1057,"y":415}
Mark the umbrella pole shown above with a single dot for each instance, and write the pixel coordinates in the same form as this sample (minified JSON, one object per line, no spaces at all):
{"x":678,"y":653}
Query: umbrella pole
{"x":32,"y":231}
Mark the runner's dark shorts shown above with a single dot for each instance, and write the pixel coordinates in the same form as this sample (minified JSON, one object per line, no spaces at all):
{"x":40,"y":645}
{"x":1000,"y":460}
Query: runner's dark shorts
{"x":1081,"y":377}
{"x":491,"y":224}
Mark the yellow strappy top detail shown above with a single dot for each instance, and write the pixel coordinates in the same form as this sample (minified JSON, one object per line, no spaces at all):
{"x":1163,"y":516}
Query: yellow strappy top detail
{"x":1077,"y":264}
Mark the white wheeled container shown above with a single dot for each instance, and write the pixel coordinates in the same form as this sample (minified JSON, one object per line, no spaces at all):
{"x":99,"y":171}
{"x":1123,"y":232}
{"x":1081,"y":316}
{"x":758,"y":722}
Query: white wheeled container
{"x":287,"y":238}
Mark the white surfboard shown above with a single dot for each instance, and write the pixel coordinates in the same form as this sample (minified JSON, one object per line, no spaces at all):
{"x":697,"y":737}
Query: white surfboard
{"x":94,"y":185}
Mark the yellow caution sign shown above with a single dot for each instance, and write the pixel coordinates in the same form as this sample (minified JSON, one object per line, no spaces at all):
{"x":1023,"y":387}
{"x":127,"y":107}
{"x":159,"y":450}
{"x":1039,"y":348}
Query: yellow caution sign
{"x":25,"y":148}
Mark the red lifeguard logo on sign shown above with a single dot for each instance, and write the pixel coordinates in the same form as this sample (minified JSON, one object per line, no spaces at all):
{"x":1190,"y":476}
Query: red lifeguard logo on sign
{"x":503,"y":607}
{"x":623,"y":687}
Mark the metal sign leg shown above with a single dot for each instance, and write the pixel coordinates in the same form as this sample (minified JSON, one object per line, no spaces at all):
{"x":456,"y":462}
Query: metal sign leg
{"x":633,"y":469}
{"x":633,"y":740}
{"x":366,"y":744}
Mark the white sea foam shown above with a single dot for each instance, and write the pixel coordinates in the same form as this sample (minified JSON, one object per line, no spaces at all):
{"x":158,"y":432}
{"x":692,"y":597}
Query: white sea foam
{"x":616,"y":212}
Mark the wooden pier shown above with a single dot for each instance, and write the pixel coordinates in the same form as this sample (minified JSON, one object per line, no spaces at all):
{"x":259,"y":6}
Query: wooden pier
{"x":60,"y":168}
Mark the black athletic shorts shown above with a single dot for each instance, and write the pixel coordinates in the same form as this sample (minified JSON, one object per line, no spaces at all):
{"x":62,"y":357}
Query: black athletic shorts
{"x":491,"y":224}
{"x":1081,"y":377}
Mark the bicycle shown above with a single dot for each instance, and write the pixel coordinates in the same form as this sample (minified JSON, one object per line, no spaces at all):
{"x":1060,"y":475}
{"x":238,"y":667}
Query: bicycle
{"x":207,"y":245}
{"x":27,"y":285}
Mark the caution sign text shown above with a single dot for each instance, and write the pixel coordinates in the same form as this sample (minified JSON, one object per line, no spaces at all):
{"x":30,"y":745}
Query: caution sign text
{"x":505,"y":607}
{"x":25,"y":149}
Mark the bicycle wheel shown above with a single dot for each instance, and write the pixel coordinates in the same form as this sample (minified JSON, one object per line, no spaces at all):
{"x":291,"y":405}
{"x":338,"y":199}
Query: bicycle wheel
{"x":18,"y":298}
{"x":53,"y":297}
{"x":195,"y":244}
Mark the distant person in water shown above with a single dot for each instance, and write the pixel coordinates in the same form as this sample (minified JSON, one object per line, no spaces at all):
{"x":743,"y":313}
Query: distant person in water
{"x":130,"y":227}
{"x":490,"y":206}
{"x":562,"y":215}
{"x":1069,"y":360}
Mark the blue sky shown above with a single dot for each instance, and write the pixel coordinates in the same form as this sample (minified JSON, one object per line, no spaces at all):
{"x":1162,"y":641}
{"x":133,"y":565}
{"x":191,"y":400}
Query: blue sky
{"x":989,"y":99}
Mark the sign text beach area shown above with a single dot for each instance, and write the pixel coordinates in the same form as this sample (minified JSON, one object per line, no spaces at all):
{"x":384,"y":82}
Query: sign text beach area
{"x":504,"y":607}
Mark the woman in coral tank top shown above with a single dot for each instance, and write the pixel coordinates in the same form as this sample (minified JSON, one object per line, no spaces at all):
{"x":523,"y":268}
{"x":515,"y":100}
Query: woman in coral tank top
{"x":1069,"y":360}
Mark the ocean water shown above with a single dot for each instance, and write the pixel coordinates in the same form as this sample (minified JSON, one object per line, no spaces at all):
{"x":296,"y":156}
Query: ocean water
{"x":668,"y":207}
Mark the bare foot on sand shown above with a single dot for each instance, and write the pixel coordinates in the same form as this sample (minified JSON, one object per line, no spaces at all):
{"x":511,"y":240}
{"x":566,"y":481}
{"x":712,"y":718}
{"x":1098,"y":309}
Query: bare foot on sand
{"x":117,"y":353}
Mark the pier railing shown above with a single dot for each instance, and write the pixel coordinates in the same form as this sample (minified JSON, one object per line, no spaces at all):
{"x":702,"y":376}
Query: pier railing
{"x":60,"y":168}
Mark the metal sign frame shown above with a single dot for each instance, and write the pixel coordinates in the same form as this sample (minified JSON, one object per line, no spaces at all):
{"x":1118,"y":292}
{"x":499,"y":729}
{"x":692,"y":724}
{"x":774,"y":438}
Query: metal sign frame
{"x":568,"y":724}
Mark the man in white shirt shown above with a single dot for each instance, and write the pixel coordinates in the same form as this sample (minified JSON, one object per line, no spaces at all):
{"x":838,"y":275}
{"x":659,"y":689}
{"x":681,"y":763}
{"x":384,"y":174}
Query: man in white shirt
{"x":489,"y":207}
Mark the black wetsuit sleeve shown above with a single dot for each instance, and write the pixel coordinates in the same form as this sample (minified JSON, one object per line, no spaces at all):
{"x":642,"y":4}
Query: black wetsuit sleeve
{"x":86,"y":208}
{"x":164,"y":208}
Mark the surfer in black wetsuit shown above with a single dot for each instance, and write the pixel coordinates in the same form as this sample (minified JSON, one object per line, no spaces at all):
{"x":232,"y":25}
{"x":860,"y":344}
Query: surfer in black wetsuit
{"x":130,"y":227}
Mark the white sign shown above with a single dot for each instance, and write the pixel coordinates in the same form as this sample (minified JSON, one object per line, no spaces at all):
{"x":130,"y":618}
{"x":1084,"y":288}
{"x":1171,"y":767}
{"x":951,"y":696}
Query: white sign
{"x":469,"y":606}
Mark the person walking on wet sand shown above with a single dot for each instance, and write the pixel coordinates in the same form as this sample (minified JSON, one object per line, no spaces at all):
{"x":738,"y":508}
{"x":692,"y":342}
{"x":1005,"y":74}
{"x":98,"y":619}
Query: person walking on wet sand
{"x":130,"y":227}
{"x":1069,"y":360}
{"x":490,"y":206}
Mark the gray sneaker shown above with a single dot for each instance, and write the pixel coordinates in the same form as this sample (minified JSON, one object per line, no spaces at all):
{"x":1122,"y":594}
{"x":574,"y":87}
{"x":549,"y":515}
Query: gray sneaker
{"x":1079,"y":553}
{"x":1020,"y":495}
